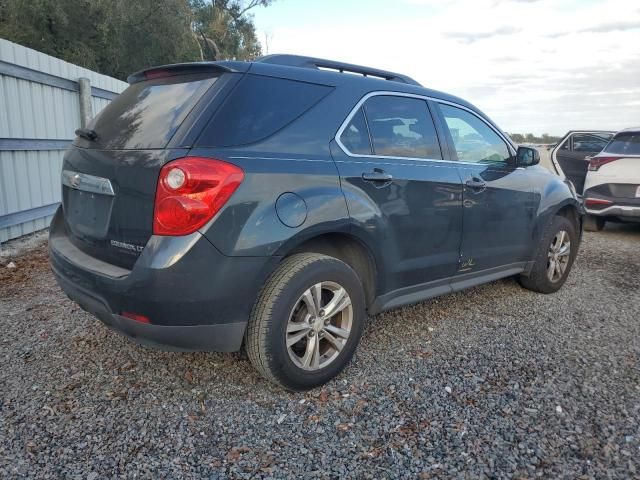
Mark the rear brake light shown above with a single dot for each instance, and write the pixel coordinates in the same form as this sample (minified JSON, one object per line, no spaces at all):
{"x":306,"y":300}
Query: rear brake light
{"x":190,"y":192}
{"x":596,"y":162}
{"x":152,"y":74}
{"x":597,"y":202}
{"x":136,"y":316}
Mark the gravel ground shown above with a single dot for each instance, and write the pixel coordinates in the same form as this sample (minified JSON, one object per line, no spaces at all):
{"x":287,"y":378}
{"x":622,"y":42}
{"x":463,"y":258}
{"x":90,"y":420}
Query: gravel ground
{"x":495,"y":381}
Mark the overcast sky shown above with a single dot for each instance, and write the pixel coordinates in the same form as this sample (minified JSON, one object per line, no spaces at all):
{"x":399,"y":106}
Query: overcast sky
{"x":541,"y":66}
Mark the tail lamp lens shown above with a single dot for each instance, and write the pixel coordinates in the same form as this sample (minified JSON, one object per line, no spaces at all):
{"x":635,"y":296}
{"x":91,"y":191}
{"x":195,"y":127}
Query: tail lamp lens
{"x":596,"y":162}
{"x":597,"y":202}
{"x":190,"y":192}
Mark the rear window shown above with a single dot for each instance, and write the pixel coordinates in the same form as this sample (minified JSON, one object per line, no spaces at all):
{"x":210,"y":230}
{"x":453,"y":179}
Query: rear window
{"x":147,"y":114}
{"x":627,"y":143}
{"x":589,"y":142}
{"x":257,"y":108}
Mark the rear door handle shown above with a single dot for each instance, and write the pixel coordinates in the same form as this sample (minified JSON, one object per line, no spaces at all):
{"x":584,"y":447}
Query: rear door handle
{"x":476,"y":184}
{"x":377,"y":176}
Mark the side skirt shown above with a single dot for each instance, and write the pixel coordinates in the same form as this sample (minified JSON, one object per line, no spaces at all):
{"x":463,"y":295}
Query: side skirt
{"x":425,"y":291}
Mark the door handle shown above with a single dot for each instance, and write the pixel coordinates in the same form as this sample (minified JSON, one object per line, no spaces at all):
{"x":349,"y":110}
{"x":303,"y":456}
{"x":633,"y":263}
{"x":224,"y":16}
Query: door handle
{"x":476,"y":184}
{"x":377,"y":176}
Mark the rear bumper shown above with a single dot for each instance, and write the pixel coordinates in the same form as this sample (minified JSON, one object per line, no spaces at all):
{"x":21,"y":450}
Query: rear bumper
{"x":621,"y":207}
{"x":196,"y":298}
{"x":220,"y":338}
{"x":620,"y":211}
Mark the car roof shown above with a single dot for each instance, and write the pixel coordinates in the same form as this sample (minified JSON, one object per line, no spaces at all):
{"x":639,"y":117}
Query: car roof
{"x":629,"y":130}
{"x":589,"y":131}
{"x":360,"y":77}
{"x":310,"y":69}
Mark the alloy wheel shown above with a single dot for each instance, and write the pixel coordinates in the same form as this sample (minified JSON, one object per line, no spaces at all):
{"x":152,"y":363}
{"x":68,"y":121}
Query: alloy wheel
{"x":319,"y":326}
{"x":558,"y":256}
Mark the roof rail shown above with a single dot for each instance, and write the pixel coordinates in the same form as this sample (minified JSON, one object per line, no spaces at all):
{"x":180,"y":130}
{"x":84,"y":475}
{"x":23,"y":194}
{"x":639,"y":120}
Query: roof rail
{"x":322,"y":64}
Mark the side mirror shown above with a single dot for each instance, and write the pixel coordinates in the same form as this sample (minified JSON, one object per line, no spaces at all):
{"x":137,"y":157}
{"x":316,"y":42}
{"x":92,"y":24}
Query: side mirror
{"x":527,"y":156}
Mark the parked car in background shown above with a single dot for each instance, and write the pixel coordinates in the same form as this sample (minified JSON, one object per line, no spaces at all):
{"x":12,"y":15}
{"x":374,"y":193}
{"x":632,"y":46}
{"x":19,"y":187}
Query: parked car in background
{"x":570,"y":156}
{"x":612,"y":186}
{"x":275,"y":204}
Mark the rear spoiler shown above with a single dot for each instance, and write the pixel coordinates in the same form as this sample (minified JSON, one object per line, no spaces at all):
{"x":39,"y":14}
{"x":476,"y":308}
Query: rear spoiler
{"x":186,"y":69}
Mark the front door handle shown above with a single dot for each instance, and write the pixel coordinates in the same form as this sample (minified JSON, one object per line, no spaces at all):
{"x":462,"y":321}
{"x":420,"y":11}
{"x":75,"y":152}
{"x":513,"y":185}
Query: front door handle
{"x":476,"y":184}
{"x":378,"y":176}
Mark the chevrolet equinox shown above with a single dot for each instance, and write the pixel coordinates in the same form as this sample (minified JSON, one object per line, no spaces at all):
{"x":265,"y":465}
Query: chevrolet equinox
{"x":273,"y":205}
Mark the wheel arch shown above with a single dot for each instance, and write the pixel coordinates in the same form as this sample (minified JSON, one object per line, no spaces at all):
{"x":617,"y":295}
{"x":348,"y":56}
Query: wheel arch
{"x":572,"y":213}
{"x":347,"y":248}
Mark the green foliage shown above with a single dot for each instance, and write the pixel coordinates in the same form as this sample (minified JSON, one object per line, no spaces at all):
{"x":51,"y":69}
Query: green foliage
{"x":224,"y":30}
{"x":118,"y":37}
{"x":531,"y":138}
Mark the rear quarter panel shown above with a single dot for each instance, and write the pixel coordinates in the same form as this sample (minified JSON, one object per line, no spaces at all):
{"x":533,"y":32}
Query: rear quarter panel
{"x":251,"y":225}
{"x":296,"y":159}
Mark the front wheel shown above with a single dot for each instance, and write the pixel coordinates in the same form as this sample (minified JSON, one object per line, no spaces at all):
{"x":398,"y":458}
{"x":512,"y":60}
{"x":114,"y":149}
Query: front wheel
{"x":307,"y":321}
{"x":554,"y":258}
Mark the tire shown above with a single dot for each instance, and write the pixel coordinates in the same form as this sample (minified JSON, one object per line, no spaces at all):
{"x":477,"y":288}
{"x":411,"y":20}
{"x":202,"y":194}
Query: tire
{"x":284,"y":311}
{"x":539,"y":279}
{"x":593,"y":223}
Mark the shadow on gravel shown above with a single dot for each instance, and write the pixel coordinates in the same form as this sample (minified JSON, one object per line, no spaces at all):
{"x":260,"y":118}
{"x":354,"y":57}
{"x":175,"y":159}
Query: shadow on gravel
{"x":630,"y":229}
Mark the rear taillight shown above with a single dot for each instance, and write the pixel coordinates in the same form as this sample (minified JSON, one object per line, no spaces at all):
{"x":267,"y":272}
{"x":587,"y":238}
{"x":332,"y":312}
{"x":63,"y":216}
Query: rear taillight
{"x":597,"y":202}
{"x":190,"y":192}
{"x":153,"y":74}
{"x":596,"y":162}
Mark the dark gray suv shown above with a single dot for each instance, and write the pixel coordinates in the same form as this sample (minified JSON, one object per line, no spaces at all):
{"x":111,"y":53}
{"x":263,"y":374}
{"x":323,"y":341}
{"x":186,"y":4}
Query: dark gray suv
{"x":272,"y":205}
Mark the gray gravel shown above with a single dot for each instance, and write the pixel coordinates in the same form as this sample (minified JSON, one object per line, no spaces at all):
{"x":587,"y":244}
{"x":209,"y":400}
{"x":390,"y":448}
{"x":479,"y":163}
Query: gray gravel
{"x":496,"y":381}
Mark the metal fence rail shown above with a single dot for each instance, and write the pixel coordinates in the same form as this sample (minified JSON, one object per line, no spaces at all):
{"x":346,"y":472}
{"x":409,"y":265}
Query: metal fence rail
{"x":39,"y":111}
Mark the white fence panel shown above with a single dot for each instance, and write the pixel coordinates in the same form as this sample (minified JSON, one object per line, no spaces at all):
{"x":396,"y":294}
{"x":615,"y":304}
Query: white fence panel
{"x":39,"y":111}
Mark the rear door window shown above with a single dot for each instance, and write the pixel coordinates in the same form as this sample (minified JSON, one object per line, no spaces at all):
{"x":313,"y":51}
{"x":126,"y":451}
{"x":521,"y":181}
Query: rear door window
{"x":147,"y":114}
{"x":257,"y":108}
{"x":401,"y":127}
{"x":589,"y":142}
{"x":627,"y":143}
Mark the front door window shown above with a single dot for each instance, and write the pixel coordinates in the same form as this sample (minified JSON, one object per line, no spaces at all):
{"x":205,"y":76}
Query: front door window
{"x":473,"y":139}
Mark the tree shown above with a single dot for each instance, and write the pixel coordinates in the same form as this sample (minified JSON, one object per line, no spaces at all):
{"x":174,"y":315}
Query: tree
{"x":531,"y":138}
{"x":224,"y":30}
{"x":119,"y":37}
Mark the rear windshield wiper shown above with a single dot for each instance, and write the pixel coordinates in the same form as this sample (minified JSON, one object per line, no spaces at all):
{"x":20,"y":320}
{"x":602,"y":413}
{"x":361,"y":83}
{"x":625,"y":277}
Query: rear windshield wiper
{"x":87,"y":133}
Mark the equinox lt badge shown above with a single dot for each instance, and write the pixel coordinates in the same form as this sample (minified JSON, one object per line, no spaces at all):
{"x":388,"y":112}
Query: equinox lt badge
{"x":127,"y":246}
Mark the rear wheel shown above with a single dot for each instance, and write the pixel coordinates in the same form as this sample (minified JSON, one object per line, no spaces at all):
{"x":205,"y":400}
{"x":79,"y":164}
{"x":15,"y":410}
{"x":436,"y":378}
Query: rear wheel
{"x":307,"y":321}
{"x":554,"y":257}
{"x":593,"y":223}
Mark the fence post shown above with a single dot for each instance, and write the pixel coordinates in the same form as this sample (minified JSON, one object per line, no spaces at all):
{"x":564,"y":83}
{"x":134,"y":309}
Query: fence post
{"x":86,"y":112}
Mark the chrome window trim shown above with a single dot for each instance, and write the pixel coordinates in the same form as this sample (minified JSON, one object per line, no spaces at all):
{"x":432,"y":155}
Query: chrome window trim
{"x":353,"y":111}
{"x":87,"y":183}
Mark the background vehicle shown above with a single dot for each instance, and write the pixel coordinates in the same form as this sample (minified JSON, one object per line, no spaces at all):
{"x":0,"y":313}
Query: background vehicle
{"x":570,"y":156}
{"x":612,"y":187}
{"x":276,"y":203}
